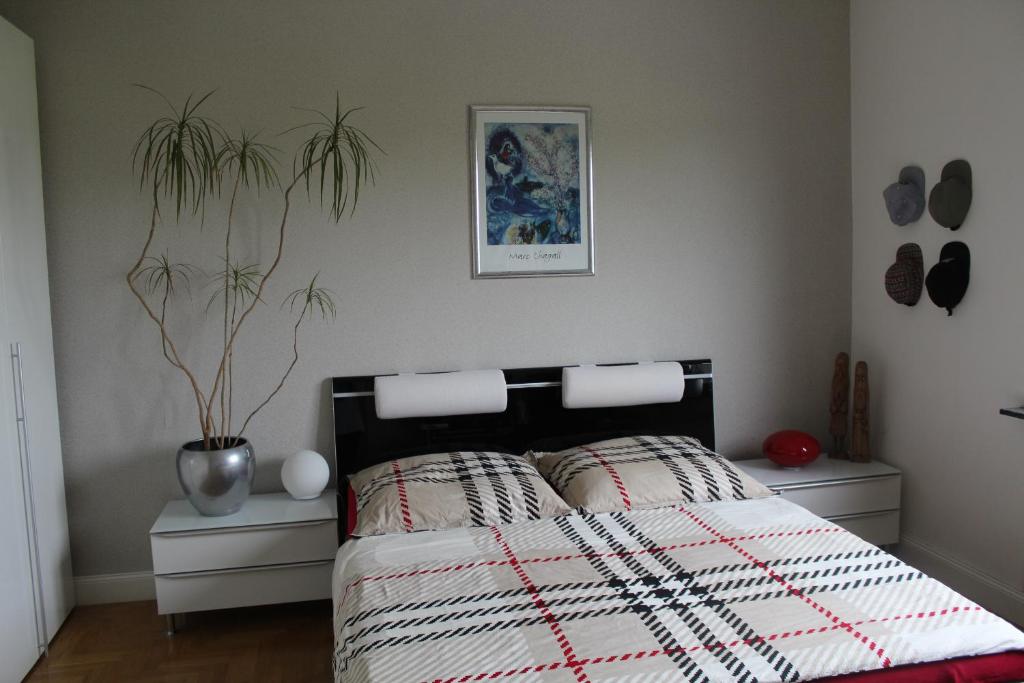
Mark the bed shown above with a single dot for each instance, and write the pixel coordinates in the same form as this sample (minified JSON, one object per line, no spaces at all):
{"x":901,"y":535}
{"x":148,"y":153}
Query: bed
{"x":726,"y":590}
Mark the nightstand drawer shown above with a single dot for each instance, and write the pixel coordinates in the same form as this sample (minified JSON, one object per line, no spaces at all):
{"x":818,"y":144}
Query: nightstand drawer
{"x":198,"y":591}
{"x":879,"y":528}
{"x":831,"y":499}
{"x":237,"y":547}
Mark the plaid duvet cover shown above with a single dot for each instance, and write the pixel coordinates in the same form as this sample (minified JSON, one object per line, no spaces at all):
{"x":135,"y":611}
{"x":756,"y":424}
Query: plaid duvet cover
{"x":752,"y":590}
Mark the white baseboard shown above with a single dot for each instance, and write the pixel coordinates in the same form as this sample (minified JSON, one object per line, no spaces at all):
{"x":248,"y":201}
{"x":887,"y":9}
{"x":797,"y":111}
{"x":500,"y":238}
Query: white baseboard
{"x":100,"y":589}
{"x":994,"y":595}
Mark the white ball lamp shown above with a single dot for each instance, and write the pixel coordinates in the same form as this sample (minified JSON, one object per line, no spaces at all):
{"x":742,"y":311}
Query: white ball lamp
{"x":305,"y":474}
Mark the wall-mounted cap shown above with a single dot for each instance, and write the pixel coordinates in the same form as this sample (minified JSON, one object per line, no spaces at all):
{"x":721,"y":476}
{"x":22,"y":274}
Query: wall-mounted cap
{"x":905,"y":279}
{"x":904,"y":199}
{"x":950,"y":199}
{"x":948,"y":279}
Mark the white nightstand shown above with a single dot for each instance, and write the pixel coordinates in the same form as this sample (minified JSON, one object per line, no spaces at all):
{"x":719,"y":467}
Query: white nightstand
{"x":863,"y":498}
{"x":275,"y":549}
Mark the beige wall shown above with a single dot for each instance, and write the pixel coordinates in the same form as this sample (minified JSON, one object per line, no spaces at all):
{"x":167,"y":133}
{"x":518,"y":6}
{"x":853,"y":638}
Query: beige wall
{"x":721,"y":173}
{"x":934,"y":81}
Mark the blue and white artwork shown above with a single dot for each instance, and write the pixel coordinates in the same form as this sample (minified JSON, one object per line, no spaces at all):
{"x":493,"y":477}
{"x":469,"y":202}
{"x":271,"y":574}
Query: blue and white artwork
{"x":531,"y":186}
{"x":532,"y":183}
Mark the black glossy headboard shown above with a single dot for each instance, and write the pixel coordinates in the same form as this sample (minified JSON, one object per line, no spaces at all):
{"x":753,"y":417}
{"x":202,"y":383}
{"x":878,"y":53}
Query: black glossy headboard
{"x":534,"y":419}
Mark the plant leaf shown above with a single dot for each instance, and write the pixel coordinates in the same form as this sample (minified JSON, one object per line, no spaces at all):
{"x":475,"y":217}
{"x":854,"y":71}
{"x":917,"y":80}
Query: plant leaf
{"x":340,"y":154}
{"x":312,"y":299}
{"x":176,"y":155}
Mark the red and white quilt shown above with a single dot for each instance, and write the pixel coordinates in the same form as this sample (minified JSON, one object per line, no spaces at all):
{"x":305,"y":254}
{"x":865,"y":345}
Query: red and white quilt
{"x":753,"y":590}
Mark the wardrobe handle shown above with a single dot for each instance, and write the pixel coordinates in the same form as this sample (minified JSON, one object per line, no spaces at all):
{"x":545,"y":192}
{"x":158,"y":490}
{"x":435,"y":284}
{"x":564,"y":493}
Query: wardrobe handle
{"x":31,"y":530}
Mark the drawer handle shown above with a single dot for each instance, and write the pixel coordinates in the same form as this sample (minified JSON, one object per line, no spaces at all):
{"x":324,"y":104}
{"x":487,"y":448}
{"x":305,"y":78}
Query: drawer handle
{"x":240,"y":570}
{"x":860,"y":515}
{"x":238,"y":529}
{"x":831,"y":482}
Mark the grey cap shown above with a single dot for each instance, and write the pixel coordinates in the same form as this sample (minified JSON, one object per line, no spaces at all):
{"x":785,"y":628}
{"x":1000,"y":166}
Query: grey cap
{"x":904,"y":199}
{"x":951,"y":197}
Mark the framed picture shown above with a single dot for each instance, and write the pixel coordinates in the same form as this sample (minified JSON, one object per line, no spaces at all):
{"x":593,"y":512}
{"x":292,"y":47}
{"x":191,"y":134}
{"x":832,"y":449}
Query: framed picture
{"x":532,"y":191}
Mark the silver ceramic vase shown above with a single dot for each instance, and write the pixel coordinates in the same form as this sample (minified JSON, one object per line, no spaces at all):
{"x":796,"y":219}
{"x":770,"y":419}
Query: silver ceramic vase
{"x":216,"y":482}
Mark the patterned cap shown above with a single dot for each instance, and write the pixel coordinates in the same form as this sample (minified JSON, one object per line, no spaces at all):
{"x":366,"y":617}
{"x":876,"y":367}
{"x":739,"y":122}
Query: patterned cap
{"x":905,"y":278}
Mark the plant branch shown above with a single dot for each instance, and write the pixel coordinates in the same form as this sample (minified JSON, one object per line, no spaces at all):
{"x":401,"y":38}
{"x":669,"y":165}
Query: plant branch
{"x":263,"y":281}
{"x":224,"y":425}
{"x":291,"y":366}
{"x":230,"y":381}
{"x":174,"y":358}
{"x":163,"y":321}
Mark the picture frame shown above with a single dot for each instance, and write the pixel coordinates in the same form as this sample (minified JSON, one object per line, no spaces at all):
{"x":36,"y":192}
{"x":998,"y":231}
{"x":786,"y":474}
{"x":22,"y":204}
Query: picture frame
{"x":532,"y":191}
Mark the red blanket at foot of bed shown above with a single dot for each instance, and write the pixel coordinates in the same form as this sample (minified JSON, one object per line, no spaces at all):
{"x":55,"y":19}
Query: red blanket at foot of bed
{"x":997,"y":668}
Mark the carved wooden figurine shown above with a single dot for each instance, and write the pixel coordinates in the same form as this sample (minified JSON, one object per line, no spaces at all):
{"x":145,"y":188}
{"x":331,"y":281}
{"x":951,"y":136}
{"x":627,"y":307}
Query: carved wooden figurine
{"x":839,"y":406}
{"x":860,"y":450}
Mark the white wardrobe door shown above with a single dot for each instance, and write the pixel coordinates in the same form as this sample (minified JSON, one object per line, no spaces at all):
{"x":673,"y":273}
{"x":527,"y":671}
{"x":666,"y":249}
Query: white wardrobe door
{"x":18,"y":636}
{"x":27,"y":318}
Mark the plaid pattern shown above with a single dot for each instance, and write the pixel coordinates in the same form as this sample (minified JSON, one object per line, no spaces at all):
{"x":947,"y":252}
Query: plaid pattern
{"x":640,"y":472}
{"x":448,"y":490}
{"x":757,"y":590}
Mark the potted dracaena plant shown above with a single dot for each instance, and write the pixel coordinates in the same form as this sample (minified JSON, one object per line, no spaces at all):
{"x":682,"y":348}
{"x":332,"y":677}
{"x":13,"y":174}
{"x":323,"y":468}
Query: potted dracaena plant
{"x":182,"y":160}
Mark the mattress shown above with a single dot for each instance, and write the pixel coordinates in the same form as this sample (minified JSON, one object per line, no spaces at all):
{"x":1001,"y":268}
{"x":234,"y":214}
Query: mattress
{"x":753,"y":590}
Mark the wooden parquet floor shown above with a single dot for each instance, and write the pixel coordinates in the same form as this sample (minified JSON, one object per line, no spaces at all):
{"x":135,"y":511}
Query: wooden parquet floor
{"x":126,"y":642}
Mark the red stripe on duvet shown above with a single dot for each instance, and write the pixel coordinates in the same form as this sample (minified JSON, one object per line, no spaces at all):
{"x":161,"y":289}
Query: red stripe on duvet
{"x":571,"y":660}
{"x":615,"y":478}
{"x":846,"y":626}
{"x":403,"y":498}
{"x":578,"y":556}
{"x":642,"y":654}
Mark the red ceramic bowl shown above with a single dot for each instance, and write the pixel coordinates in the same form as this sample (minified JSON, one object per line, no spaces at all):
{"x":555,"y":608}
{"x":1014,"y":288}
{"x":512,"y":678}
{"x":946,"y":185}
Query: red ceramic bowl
{"x":790,"y":448}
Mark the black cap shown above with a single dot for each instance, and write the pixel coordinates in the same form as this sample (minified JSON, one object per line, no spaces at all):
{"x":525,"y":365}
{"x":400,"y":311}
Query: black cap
{"x":950,"y":199}
{"x":947,"y":280}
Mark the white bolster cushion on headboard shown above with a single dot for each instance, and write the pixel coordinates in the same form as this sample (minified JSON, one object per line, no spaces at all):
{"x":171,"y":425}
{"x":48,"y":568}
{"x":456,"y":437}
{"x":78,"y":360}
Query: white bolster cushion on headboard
{"x":590,"y":386}
{"x":444,"y":393}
